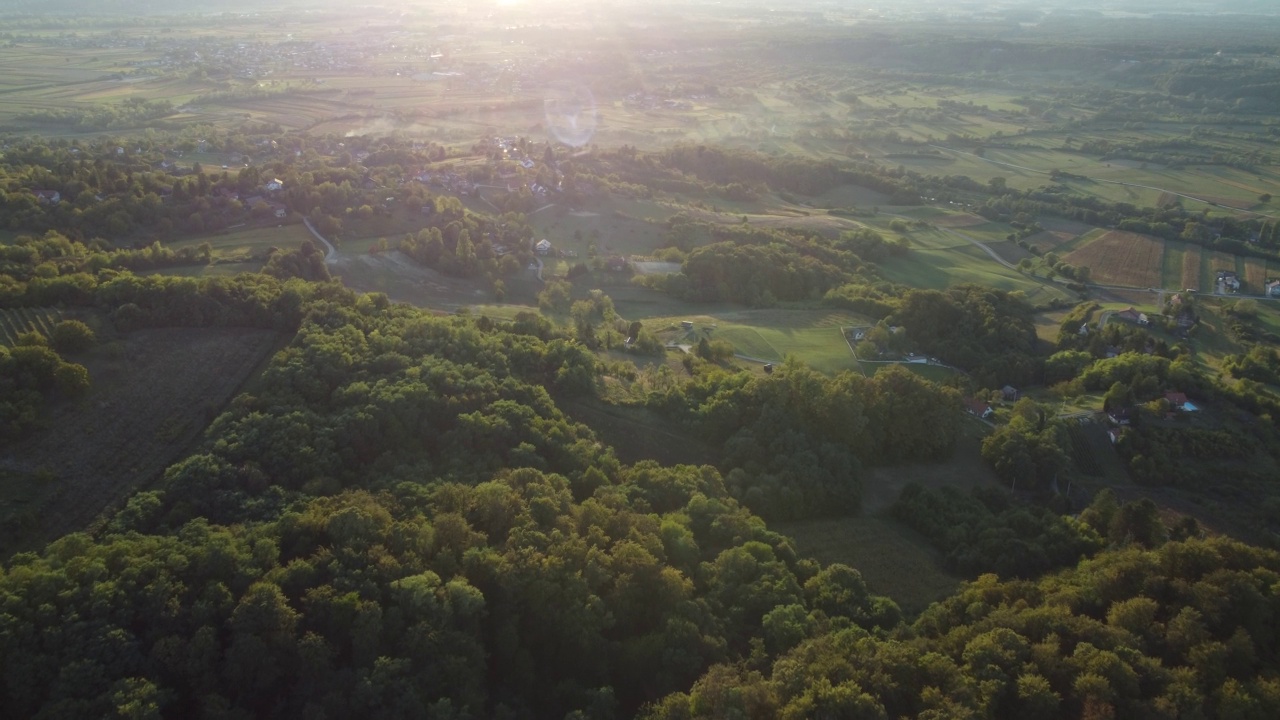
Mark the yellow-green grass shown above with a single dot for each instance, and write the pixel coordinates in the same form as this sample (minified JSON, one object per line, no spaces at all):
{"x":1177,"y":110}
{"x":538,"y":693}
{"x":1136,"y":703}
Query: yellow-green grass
{"x":252,"y":241}
{"x":812,"y":335}
{"x":1174,"y":260}
{"x":1192,"y":259}
{"x":224,"y":269}
{"x":946,"y":267}
{"x":615,"y":235}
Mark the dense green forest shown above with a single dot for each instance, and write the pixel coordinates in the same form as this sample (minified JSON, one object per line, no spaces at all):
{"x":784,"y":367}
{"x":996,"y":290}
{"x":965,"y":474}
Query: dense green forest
{"x":607,"y":486}
{"x":400,"y":521}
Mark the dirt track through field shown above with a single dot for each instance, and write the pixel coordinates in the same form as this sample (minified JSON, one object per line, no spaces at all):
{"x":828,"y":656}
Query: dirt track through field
{"x":152,"y":400}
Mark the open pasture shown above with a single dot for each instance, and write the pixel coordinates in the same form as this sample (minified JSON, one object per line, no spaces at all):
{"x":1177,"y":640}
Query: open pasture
{"x":893,"y":559}
{"x":814,"y":336}
{"x":946,"y":267}
{"x":1122,"y":258}
{"x":243,"y":243}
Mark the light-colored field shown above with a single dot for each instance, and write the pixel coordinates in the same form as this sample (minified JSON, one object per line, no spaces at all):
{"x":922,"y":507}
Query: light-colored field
{"x":1174,"y":260}
{"x":1254,"y":276}
{"x":1191,"y":262}
{"x":250,"y":241}
{"x":939,"y":268}
{"x":813,"y":336}
{"x":1122,"y":258}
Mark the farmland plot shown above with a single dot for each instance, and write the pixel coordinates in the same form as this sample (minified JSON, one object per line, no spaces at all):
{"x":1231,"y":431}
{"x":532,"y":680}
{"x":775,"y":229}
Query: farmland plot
{"x":153,"y":392}
{"x":16,"y":321}
{"x":1213,"y":262}
{"x":1122,"y":258}
{"x":1191,"y":262}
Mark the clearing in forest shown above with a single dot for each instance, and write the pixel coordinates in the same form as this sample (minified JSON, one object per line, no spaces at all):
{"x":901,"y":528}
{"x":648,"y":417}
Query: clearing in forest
{"x":152,"y":393}
{"x":1122,"y":258}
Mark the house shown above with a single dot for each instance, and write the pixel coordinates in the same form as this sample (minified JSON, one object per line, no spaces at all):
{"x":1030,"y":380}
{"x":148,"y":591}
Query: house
{"x":686,"y":324}
{"x":273,"y":185}
{"x":1084,"y":329}
{"x":48,"y":197}
{"x":1229,"y":280}
{"x":278,"y":209}
{"x":1120,"y":416}
{"x":1115,"y":434}
{"x":1273,"y":288}
{"x":1010,"y":393}
{"x":977,"y":408}
{"x":1176,"y":399}
{"x":616,"y":264}
{"x":1132,"y":316}
{"x":543,"y":247}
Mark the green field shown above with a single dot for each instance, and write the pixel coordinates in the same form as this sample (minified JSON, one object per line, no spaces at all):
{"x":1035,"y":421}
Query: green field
{"x":250,"y":242}
{"x":812,"y":335}
{"x":935,"y":373}
{"x":894,"y":560}
{"x":940,"y":268}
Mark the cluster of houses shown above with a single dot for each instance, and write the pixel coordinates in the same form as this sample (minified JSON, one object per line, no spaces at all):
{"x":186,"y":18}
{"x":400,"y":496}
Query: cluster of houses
{"x":253,"y":60}
{"x":1122,"y":418}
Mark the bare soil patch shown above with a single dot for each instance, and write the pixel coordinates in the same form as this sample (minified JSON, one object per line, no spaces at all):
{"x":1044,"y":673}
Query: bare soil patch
{"x":153,"y":392}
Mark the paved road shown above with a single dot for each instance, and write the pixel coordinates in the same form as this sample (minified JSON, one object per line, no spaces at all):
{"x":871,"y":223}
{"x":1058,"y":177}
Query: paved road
{"x":331,"y":254}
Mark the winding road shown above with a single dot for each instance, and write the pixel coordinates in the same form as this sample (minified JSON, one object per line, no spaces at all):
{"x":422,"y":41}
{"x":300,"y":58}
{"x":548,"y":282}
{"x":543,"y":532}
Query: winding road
{"x":331,"y":253}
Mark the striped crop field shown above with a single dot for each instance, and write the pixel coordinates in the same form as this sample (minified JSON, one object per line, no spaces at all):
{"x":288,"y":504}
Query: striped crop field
{"x":1174,"y":258}
{"x":1122,"y":258}
{"x":1254,"y":276}
{"x":1191,"y":263}
{"x":15,"y":321}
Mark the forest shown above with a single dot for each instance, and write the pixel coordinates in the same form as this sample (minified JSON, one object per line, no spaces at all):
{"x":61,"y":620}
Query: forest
{"x":808,"y":313}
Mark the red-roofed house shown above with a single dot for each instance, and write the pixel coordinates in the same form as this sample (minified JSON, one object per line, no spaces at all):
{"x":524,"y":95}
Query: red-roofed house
{"x":977,"y":408}
{"x":1176,"y":399}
